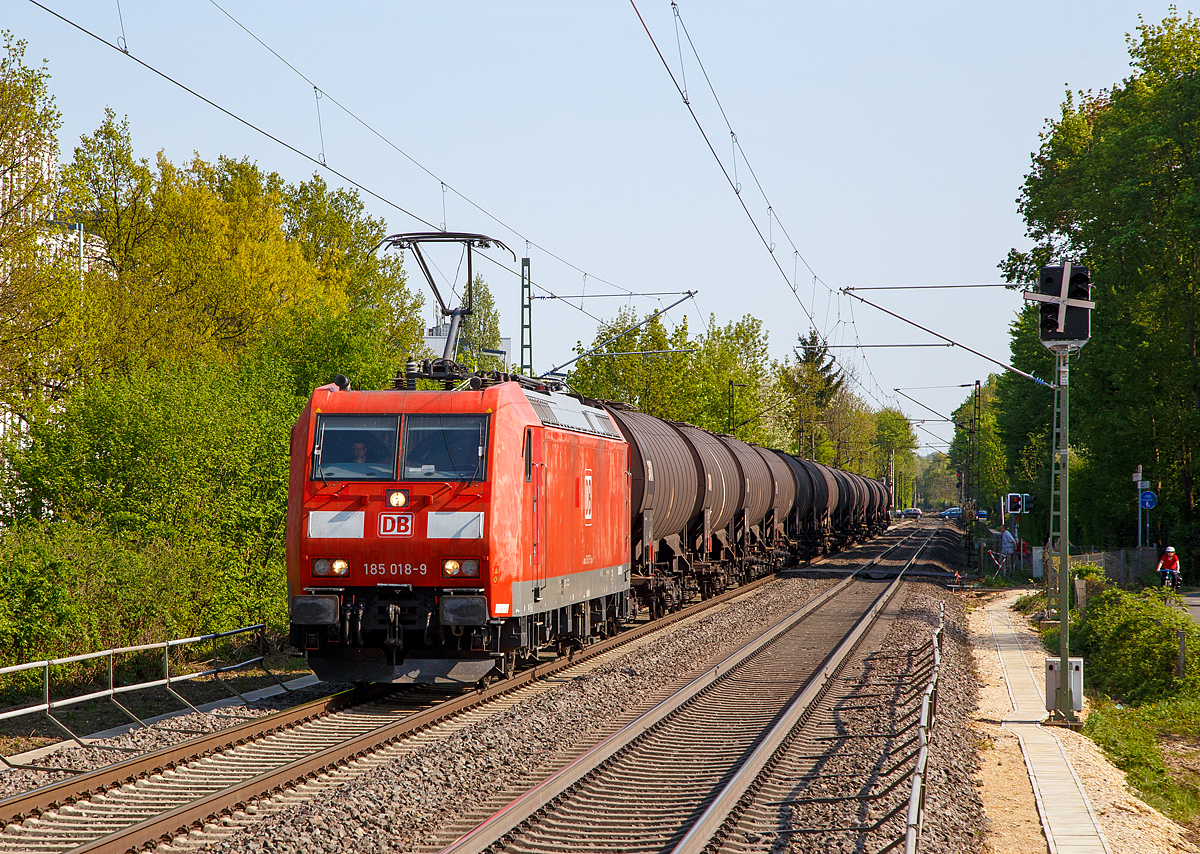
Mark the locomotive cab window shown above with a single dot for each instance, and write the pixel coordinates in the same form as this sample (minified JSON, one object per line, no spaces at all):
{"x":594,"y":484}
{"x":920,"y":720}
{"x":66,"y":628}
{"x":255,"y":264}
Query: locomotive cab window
{"x":445,"y":447}
{"x":355,"y":447}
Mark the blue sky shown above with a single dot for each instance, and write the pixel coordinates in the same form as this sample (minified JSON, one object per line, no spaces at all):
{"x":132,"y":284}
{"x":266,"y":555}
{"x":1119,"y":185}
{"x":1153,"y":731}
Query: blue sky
{"x":891,"y":140}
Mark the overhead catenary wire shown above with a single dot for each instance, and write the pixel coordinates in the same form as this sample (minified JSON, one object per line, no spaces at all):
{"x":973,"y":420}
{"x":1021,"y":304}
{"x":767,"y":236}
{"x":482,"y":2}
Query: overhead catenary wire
{"x":445,"y":186}
{"x":1004,"y":365}
{"x":637,"y":325}
{"x":620,"y":296}
{"x":317,"y":162}
{"x":736,"y":187}
{"x":720,"y":163}
{"x":923,"y":406}
{"x":245,"y":122}
{"x":772,"y":216}
{"x":935,"y":287}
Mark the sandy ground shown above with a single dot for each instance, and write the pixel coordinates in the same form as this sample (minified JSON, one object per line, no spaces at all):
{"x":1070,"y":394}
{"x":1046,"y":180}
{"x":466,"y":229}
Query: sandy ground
{"x":1013,"y":823}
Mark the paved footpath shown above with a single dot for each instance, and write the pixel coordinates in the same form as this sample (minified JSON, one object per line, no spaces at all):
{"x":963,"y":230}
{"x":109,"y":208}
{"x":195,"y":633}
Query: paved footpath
{"x":1068,"y":822}
{"x":1193,"y":604}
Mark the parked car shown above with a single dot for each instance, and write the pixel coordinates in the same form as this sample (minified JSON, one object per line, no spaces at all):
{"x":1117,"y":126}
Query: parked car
{"x":910,"y":513}
{"x":951,"y":513}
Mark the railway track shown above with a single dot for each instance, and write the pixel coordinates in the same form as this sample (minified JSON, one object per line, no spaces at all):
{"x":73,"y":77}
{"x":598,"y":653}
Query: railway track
{"x":674,"y":777}
{"x":193,"y":790}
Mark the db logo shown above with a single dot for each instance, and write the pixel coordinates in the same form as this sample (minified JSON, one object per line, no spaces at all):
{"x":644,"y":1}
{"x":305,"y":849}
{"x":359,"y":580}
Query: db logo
{"x":395,"y":525}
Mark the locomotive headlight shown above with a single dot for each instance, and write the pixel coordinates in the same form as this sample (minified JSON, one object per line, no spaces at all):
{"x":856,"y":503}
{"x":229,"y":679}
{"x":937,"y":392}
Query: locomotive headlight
{"x":341,"y":566}
{"x":322,"y":566}
{"x":451,"y":568}
{"x":396,"y":498}
{"x":470,"y":568}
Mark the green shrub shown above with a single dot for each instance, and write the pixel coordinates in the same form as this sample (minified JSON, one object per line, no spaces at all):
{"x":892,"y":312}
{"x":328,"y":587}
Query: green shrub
{"x":1030,"y":602}
{"x":1131,"y":644}
{"x":69,"y":588}
{"x":1090,"y":571}
{"x":152,"y":506}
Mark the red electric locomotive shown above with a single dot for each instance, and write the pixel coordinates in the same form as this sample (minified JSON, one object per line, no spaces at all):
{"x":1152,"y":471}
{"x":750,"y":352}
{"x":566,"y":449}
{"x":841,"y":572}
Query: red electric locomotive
{"x":435,"y":536}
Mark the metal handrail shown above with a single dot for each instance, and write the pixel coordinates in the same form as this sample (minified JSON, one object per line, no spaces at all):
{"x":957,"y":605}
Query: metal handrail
{"x":48,"y":706}
{"x":915,"y":820}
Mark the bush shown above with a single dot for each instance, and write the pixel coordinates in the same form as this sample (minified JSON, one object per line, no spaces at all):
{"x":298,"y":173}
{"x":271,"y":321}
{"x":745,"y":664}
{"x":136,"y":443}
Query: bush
{"x":1131,"y":644}
{"x":76,"y":588}
{"x":1090,"y":571}
{"x":151,"y":507}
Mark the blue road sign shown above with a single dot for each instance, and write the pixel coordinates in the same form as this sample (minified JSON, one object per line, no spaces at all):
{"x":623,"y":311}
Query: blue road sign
{"x":1147,"y":499}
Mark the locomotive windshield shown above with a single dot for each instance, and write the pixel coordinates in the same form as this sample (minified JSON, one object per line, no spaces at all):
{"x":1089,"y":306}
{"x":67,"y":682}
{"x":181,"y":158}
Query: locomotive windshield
{"x":355,"y":447}
{"x":445,"y":447}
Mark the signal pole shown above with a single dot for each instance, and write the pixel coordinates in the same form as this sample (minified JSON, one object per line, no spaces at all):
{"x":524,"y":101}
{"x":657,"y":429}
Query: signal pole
{"x":1062,"y":700}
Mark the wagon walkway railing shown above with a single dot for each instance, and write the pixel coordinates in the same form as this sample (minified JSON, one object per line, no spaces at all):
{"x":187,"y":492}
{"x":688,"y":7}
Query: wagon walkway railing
{"x":48,"y":706}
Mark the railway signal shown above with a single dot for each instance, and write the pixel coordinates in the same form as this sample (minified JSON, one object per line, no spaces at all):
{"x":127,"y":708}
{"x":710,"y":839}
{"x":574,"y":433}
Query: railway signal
{"x":1064,"y":325}
{"x":1027,"y":503}
{"x":1065,"y":311}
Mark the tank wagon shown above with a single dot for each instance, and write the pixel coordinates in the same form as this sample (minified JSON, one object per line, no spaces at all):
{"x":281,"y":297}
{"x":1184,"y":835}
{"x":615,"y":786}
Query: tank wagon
{"x":446,"y":535}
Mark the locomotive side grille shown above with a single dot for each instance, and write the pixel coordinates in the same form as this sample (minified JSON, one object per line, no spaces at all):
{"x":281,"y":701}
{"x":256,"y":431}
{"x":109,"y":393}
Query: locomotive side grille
{"x":573,"y":417}
{"x":544,"y":412}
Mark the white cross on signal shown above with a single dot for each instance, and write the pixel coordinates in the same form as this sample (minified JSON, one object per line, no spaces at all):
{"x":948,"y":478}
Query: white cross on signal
{"x":1061,"y":299}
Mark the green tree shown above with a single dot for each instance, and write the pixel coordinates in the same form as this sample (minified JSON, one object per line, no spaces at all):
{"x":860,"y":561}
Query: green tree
{"x":988,"y":466}
{"x":34,"y":295}
{"x":1115,"y":185}
{"x":480,"y":330}
{"x":195,"y":263}
{"x":811,"y":379}
{"x":851,"y":426}
{"x":654,"y":382}
{"x":895,"y":442}
{"x":339,"y":239}
{"x":732,"y":363}
{"x":935,"y":481}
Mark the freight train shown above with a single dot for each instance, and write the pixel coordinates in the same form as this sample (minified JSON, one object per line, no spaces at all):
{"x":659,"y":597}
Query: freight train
{"x":449,"y":534}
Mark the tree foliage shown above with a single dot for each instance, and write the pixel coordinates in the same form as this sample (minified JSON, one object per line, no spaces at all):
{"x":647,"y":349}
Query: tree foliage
{"x":33,"y":298}
{"x":480,"y":330}
{"x":984,"y":464}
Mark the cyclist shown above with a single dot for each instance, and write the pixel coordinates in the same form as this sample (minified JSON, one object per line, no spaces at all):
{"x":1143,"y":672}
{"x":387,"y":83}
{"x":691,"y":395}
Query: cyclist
{"x":1168,"y":569}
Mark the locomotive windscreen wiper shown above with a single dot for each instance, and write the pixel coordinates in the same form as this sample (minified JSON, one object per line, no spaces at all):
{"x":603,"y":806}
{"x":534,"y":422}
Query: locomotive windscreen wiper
{"x":478,"y":457}
{"x":317,"y":454}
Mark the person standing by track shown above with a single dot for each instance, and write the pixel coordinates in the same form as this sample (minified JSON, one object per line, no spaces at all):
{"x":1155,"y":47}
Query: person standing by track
{"x":1007,"y":545}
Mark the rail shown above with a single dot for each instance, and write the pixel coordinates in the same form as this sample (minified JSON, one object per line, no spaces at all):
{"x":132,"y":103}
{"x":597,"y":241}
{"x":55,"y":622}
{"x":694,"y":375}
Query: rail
{"x":517,"y":812}
{"x":49,"y":706}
